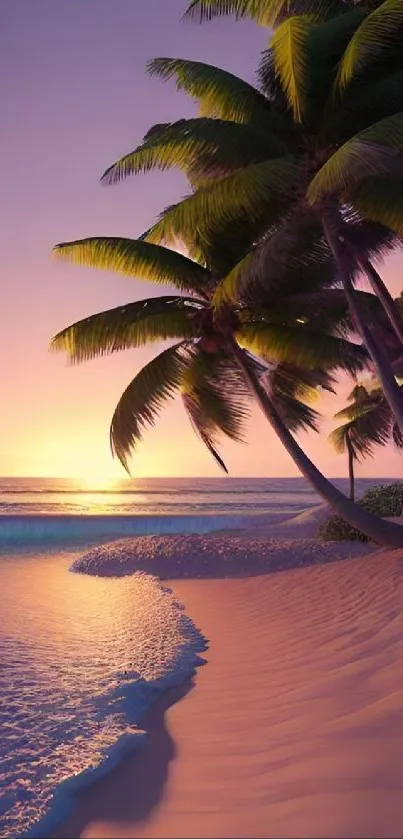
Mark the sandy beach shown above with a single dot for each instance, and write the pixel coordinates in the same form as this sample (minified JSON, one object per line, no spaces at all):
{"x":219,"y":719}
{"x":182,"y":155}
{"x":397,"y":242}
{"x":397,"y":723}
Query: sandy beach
{"x":294,"y":727}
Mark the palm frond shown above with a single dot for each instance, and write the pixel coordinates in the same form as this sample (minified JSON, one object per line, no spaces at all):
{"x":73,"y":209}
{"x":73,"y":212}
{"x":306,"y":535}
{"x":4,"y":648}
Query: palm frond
{"x":220,"y":388}
{"x":300,"y":383}
{"x":358,"y":399}
{"x":219,"y":93}
{"x":323,"y":310}
{"x":302,"y":347}
{"x":131,"y":325}
{"x":369,"y":423}
{"x":289,"y":45}
{"x":264,"y":12}
{"x":201,"y":425}
{"x":360,"y":393}
{"x":262,"y":192}
{"x":330,"y":37}
{"x":375,"y":151}
{"x":325,"y":46}
{"x":363,"y":104}
{"x":202,"y":148}
{"x":359,"y":409}
{"x":397,"y":436}
{"x":296,"y":414}
{"x":137,"y":258}
{"x":275,"y":266}
{"x":381,"y":200}
{"x":338,"y":438}
{"x":291,"y":388}
{"x":142,"y":401}
{"x":270,"y":83}
{"x":217,"y":248}
{"x":188,"y":241}
{"x":372,"y":239}
{"x":370,"y":39}
{"x":202,"y":10}
{"x":215,"y":398}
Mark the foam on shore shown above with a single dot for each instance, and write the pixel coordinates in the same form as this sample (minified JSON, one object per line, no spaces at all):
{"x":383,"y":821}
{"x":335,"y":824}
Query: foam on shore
{"x":68,"y":719}
{"x":194,"y":556}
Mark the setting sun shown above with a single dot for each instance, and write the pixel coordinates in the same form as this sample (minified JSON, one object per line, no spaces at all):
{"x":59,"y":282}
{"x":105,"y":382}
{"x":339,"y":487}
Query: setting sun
{"x":97,"y":481}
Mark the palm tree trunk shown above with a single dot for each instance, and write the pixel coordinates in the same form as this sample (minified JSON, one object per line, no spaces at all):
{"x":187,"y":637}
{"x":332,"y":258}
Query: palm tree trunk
{"x":350,"y":451}
{"x":390,"y":387}
{"x":384,"y":296}
{"x":381,"y":531}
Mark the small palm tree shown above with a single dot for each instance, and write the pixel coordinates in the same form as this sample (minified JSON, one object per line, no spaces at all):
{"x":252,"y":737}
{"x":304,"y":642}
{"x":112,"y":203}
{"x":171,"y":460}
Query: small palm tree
{"x":319,"y":145}
{"x":369,"y":423}
{"x":278,"y":351}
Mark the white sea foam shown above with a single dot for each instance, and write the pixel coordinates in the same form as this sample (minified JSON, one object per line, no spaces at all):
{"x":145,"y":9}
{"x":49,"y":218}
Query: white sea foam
{"x":257,"y":551}
{"x":77,"y":678}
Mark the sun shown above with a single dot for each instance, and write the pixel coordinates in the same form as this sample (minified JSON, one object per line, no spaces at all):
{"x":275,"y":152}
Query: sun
{"x":97,"y":481}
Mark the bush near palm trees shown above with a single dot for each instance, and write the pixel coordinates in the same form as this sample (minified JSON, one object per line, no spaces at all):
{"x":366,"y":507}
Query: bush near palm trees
{"x":368,"y":422}
{"x":384,"y":501}
{"x":320,"y":143}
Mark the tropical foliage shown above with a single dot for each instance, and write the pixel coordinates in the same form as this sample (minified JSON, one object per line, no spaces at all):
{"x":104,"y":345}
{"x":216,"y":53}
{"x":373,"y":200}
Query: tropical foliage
{"x":384,"y":501}
{"x":310,"y":146}
{"x":369,"y":422}
{"x":290,"y":352}
{"x":295,"y":192}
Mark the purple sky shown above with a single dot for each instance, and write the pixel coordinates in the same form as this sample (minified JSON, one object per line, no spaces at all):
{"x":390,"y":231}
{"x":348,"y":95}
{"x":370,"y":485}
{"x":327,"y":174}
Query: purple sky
{"x":75,"y":96}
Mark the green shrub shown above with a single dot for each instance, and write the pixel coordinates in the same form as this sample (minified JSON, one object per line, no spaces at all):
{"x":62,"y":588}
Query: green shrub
{"x":382,"y":501}
{"x":335,"y":529}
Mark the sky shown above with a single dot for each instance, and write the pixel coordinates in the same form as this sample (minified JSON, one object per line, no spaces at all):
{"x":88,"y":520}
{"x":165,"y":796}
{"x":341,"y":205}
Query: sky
{"x":75,"y":96}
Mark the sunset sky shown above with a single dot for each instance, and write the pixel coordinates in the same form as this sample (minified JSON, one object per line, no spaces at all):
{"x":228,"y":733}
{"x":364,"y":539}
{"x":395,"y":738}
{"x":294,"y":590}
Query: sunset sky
{"x":75,"y":96}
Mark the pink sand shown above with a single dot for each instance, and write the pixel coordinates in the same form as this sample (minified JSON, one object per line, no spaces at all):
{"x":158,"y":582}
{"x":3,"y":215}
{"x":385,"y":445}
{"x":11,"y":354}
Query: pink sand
{"x":294,"y":728}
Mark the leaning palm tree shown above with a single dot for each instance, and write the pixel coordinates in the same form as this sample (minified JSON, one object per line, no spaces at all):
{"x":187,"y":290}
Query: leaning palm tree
{"x":369,"y":422}
{"x":274,"y":351}
{"x":290,"y":346}
{"x":320,"y":143}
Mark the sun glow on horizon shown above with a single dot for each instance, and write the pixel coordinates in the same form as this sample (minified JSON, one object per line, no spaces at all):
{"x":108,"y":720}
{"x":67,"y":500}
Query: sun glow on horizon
{"x":98,"y":481}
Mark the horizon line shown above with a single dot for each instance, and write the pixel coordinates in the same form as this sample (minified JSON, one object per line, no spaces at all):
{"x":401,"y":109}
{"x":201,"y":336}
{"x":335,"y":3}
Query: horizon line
{"x":193,"y":478}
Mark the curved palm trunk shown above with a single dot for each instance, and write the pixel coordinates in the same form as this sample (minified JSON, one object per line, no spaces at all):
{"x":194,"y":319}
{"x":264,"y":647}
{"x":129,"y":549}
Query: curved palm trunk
{"x":388,"y":382}
{"x":350,"y":452}
{"x":381,"y":531}
{"x":384,"y":296}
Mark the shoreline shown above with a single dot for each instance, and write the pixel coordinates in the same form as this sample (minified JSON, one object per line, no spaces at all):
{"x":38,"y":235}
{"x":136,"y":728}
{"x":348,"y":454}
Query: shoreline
{"x":293,"y":728}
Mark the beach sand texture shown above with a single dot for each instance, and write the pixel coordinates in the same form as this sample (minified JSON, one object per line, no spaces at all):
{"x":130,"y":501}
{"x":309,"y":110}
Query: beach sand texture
{"x":295,"y":726}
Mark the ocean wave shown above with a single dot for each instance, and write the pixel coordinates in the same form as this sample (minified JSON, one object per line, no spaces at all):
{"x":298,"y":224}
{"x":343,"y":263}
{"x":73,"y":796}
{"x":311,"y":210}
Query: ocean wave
{"x":265,"y":490}
{"x":66,"y":529}
{"x":67,"y":718}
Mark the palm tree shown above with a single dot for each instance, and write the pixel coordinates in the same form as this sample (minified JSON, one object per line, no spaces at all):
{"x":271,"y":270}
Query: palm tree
{"x":214,"y":361}
{"x":319,"y":144}
{"x":368,"y":422}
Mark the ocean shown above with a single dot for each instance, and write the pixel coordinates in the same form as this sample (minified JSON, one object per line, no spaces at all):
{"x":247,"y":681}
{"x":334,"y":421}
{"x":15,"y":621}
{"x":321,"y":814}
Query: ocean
{"x":82,"y":657}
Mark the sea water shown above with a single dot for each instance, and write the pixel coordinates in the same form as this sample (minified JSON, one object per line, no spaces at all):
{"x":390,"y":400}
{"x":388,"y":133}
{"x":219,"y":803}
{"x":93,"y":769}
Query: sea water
{"x":81,"y":658}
